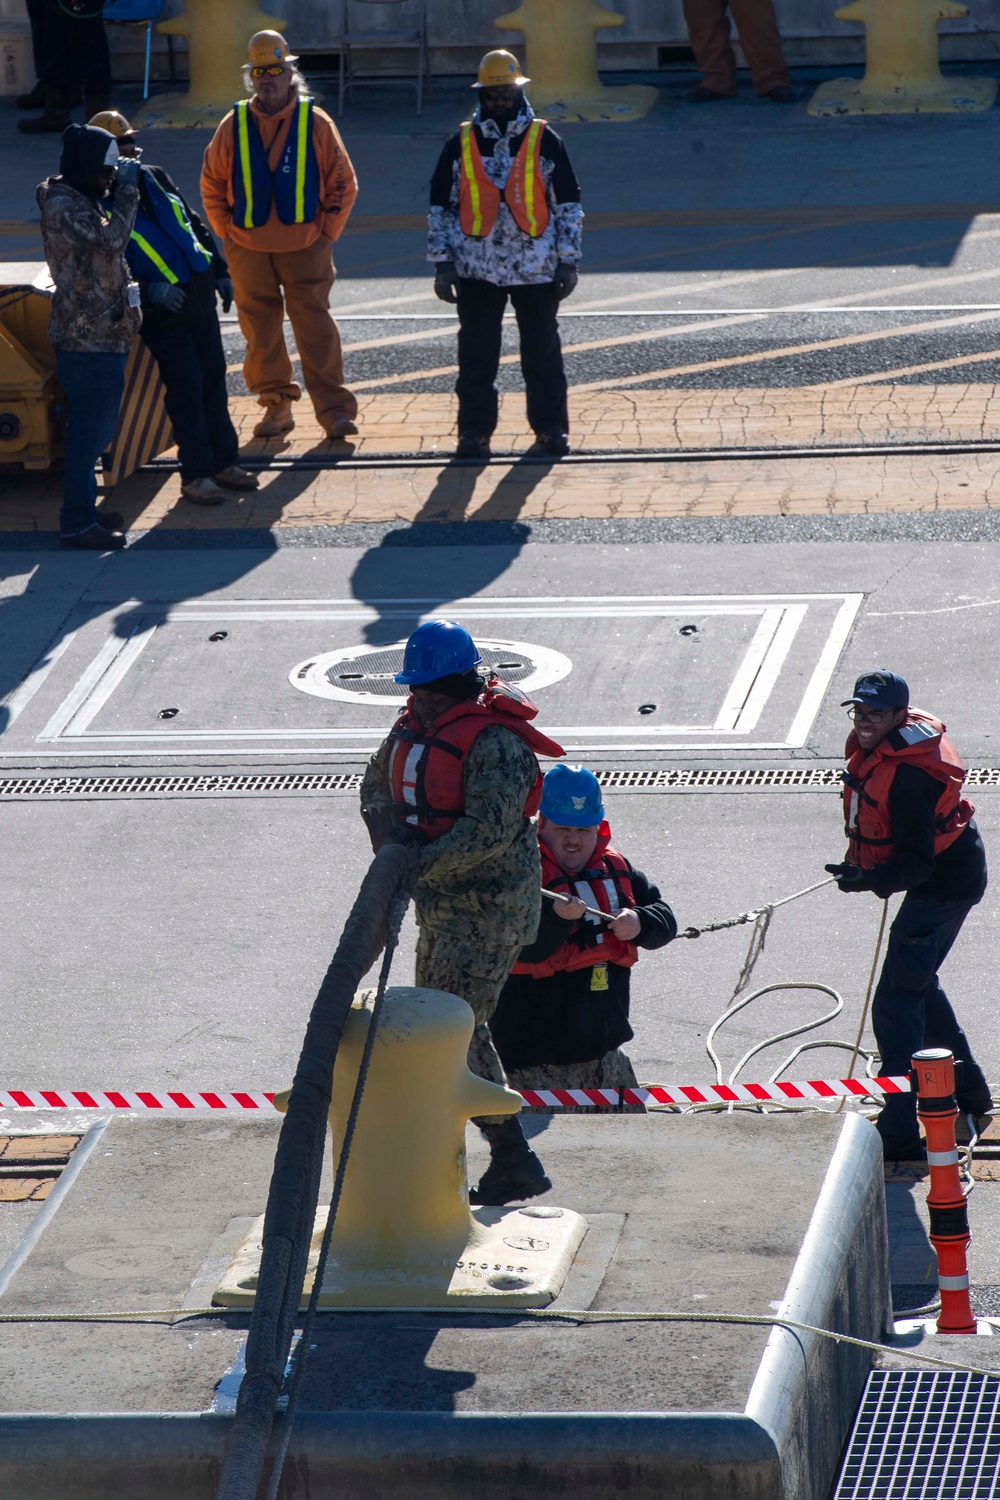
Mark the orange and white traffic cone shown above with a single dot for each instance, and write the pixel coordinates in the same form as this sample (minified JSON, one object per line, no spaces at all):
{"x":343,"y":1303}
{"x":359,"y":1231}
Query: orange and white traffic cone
{"x":934,"y":1070}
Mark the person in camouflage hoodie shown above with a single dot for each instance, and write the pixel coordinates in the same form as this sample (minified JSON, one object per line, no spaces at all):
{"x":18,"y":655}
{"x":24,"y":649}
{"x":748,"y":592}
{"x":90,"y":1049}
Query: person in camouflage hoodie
{"x":94,"y":314}
{"x":458,"y":775}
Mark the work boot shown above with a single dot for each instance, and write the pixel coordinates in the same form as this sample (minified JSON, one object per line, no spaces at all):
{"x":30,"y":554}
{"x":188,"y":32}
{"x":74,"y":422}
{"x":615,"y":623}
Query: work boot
{"x":111,"y":520}
{"x":276,"y":420}
{"x":33,"y":99}
{"x":898,"y":1148}
{"x":472,"y":445}
{"x":55,"y":118}
{"x":235,"y":477}
{"x":94,"y":538}
{"x":339,"y":428}
{"x":514,"y":1172}
{"x":555,"y":443}
{"x":202,"y":491}
{"x":782,"y":93}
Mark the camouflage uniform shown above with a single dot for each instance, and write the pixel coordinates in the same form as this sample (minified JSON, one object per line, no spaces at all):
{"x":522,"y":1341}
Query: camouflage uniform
{"x":85,"y":248}
{"x":478,"y":893}
{"x":612,"y":1071}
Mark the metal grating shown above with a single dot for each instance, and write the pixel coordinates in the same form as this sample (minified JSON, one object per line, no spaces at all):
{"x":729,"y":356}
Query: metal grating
{"x":650,"y":779}
{"x":924,"y":1435}
{"x":375,"y":671}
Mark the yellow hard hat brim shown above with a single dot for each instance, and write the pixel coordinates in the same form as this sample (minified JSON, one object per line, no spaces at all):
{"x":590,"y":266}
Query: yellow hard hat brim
{"x":517,"y":82}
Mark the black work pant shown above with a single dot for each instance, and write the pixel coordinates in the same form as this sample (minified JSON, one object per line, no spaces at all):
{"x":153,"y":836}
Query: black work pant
{"x":192,"y":365}
{"x":480,"y":315}
{"x":69,"y":50}
{"x":911,"y":1010}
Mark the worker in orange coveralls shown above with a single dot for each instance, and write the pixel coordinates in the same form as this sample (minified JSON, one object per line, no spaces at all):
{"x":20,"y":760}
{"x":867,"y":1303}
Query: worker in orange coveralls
{"x":278,"y":187}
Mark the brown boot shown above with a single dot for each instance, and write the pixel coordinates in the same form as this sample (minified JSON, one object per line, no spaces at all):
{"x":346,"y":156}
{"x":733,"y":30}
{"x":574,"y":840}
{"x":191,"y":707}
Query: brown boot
{"x":56,"y":116}
{"x":276,"y":420}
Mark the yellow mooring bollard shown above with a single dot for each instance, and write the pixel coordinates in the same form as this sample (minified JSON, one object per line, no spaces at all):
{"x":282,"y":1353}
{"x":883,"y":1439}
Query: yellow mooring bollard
{"x":217,"y":33}
{"x":562,"y":62}
{"x":405,"y":1235}
{"x":902,"y":73}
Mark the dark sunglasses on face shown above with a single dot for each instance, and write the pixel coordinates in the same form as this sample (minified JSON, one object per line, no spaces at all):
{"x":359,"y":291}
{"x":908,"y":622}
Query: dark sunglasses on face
{"x":275,"y":70}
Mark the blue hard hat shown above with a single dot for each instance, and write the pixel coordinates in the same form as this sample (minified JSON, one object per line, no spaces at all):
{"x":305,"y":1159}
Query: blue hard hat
{"x":437,"y":649}
{"x":571,"y":797}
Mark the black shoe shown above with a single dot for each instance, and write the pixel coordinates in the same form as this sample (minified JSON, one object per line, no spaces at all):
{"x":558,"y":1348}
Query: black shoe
{"x":514,"y":1172}
{"x":472,"y":445}
{"x":34,"y":99}
{"x":702,"y":95}
{"x":555,"y":442}
{"x":981,"y":1122}
{"x":94,"y":538}
{"x":782,"y":93}
{"x":896,"y":1148}
{"x":111,"y":520}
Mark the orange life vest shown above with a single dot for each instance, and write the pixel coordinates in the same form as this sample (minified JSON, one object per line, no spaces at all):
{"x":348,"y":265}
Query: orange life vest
{"x":869,"y":777}
{"x":426,"y":767}
{"x":606,"y":884}
{"x":523,"y":193}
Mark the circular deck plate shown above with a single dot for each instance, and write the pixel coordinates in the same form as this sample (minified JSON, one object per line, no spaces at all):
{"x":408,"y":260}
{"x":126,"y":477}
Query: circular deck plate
{"x":365,"y":674}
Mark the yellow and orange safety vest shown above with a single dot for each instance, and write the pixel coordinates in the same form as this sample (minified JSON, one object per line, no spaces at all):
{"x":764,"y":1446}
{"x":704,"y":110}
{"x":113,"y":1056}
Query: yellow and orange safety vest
{"x":524,"y":193}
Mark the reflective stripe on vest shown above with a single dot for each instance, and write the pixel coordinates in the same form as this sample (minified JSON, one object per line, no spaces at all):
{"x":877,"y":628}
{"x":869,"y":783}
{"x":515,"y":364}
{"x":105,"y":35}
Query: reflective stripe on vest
{"x":606,"y":886}
{"x":163,"y":245}
{"x":524,"y":192}
{"x":293,"y":188}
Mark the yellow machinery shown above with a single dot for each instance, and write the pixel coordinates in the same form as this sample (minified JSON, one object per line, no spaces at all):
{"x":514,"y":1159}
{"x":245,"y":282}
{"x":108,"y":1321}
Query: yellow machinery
{"x":562,"y":61}
{"x":31,"y":399}
{"x":28,"y":427}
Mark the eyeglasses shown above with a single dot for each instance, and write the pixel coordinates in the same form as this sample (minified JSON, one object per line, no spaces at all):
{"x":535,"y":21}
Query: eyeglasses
{"x":863,"y":716}
{"x":273,"y":70}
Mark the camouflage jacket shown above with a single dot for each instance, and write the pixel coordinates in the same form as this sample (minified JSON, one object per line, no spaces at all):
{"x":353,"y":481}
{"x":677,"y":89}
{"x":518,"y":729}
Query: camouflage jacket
{"x":85,"y":249}
{"x":481,"y":881}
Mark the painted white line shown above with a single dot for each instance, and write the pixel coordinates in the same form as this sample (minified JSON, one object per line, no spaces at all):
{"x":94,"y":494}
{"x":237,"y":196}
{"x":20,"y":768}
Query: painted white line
{"x":736,"y":697}
{"x":340,"y":752}
{"x":770,"y":670}
{"x":82,"y":689}
{"x":131,"y":650}
{"x":825,"y":667}
{"x":23,"y":694}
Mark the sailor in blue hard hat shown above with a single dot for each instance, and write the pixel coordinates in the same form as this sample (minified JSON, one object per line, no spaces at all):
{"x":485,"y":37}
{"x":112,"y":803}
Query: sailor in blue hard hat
{"x":563,"y":1015}
{"x":458,"y":776}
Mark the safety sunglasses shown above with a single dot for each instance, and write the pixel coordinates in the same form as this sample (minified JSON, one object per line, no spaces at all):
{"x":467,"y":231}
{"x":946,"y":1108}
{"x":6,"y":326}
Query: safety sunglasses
{"x":865,"y":716}
{"x":273,"y":70}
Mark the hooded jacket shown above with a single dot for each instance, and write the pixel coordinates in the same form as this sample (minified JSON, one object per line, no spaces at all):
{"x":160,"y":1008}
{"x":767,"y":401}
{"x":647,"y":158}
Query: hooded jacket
{"x":84,"y":238}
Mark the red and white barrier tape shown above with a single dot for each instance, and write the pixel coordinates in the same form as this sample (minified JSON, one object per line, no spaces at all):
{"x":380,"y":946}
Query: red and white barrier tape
{"x":706,"y":1093}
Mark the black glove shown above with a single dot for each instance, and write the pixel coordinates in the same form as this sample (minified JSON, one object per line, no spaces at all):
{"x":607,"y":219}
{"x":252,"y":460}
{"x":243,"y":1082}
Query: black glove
{"x":566,"y":279}
{"x":224,"y":287}
{"x":446,"y":281}
{"x":849,"y":877}
{"x":408,"y":836}
{"x":127,"y":172}
{"x":164,"y":294}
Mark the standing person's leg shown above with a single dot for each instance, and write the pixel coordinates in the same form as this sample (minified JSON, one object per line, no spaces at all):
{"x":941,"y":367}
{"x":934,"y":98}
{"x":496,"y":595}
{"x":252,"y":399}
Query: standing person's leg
{"x":477,"y":975}
{"x":211,"y":357}
{"x":307,"y":277}
{"x":260,"y":309}
{"x":942,"y":1028}
{"x":480,"y":331}
{"x":907,"y":997}
{"x":93,"y":385}
{"x":35,"y":97}
{"x":61,"y":90}
{"x":536,"y":308}
{"x":707,"y":23}
{"x":174,"y":348}
{"x":757,"y":26}
{"x":89,"y":46}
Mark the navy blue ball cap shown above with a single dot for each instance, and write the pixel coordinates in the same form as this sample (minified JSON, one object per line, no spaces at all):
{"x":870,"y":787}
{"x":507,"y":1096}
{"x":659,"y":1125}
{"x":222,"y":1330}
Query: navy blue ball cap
{"x":880,"y":690}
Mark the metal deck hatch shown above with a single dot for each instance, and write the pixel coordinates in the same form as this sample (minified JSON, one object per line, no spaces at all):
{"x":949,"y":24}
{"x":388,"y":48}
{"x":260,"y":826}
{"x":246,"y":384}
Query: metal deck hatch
{"x":924,"y":1435}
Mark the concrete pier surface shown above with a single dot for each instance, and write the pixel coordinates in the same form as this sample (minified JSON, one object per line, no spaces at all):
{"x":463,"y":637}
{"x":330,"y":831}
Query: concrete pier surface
{"x":697,"y":1214}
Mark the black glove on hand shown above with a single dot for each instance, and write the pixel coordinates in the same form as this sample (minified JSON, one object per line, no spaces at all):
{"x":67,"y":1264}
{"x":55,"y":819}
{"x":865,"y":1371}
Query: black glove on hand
{"x":224,"y":287}
{"x":446,"y":281}
{"x":408,"y":836}
{"x":849,"y":877}
{"x":566,"y":279}
{"x":165,"y":295}
{"x":127,"y":172}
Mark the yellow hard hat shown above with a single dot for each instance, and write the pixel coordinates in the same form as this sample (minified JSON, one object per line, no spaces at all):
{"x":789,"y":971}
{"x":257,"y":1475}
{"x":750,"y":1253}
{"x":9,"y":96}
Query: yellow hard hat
{"x":266,"y":48}
{"x":111,"y":120}
{"x":499,"y":68}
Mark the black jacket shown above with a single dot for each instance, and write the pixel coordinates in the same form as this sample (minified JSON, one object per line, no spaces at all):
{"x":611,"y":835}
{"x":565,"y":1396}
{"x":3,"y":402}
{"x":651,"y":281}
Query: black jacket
{"x":565,"y":1018}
